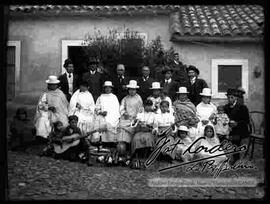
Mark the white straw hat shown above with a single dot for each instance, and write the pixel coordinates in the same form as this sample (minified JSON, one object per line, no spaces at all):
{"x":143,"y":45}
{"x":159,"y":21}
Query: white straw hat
{"x":108,"y":83}
{"x":206,"y":92}
{"x":133,"y":84}
{"x":182,"y":90}
{"x":52,"y":80}
{"x":156,"y":85}
{"x":183,"y":128}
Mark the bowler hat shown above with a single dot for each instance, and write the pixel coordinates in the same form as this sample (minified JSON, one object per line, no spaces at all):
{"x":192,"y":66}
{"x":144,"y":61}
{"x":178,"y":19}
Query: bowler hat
{"x":182,"y":90}
{"x":195,"y":69}
{"x":232,"y":91}
{"x":52,"y":80}
{"x":156,"y":85}
{"x":108,"y":83}
{"x":133,"y":84}
{"x":206,"y":92}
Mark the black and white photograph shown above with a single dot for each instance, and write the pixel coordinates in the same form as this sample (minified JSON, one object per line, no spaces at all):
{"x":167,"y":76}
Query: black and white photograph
{"x":138,"y":102}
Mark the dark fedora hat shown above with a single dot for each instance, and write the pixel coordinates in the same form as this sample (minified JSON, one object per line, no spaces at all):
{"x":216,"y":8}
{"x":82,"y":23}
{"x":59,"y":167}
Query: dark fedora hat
{"x":232,"y":91}
{"x":166,"y":69}
{"x":92,"y":60}
{"x":195,"y":69}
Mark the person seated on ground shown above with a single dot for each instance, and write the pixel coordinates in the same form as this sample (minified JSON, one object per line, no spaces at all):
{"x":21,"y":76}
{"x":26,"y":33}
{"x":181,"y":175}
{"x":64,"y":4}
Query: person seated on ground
{"x":143,"y":141}
{"x":221,"y":124}
{"x":22,"y":130}
{"x":211,"y":140}
{"x":185,"y":142}
{"x":130,"y":106}
{"x":107,"y":108}
{"x":55,"y":137}
{"x":205,"y":110}
{"x":164,"y":129}
{"x":82,"y":105}
{"x":185,"y":112}
{"x":52,"y":106}
{"x":80,"y":152}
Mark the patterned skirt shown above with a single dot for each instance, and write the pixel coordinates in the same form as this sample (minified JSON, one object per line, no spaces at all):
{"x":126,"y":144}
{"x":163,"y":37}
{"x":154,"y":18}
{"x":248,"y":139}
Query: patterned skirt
{"x":125,"y":132}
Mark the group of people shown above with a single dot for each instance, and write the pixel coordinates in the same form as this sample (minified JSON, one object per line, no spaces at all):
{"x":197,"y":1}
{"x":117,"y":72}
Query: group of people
{"x":136,"y":115}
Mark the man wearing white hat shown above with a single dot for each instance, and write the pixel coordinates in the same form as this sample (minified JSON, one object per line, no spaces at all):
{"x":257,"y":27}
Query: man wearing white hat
{"x":206,"y":110}
{"x":52,"y":106}
{"x":107,"y":106}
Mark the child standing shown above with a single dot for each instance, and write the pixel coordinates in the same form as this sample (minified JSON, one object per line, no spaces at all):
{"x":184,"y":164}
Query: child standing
{"x":143,"y":140}
{"x":22,"y":130}
{"x":221,"y":122}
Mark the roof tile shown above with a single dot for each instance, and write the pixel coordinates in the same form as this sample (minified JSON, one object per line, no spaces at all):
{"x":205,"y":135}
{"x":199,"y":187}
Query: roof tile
{"x":219,"y":20}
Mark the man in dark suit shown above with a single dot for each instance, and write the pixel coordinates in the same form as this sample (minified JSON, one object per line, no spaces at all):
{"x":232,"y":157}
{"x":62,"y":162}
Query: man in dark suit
{"x":170,"y":86}
{"x":145,"y":83}
{"x":68,"y":81}
{"x":120,"y":81}
{"x":94,"y":78}
{"x":180,"y":73}
{"x":239,"y":119}
{"x":195,"y":85}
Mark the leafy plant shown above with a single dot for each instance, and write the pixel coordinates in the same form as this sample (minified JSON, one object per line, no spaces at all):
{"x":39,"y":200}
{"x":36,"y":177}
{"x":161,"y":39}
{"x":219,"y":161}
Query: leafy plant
{"x":119,"y":47}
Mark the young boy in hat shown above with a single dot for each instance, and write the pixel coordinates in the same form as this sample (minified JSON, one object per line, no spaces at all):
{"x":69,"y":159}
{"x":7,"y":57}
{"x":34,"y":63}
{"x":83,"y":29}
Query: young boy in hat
{"x":168,"y":83}
{"x":195,"y":85}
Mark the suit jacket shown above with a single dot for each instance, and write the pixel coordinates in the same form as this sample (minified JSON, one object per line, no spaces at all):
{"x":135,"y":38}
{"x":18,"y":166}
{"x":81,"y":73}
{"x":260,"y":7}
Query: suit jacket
{"x":95,"y":83}
{"x":64,"y":84}
{"x":240,"y":114}
{"x":144,"y":91}
{"x":195,"y":90}
{"x":118,"y":89}
{"x":171,"y":88}
{"x":180,"y":74}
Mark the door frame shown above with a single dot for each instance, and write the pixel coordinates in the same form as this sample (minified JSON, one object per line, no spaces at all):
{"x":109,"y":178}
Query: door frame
{"x":65,"y":45}
{"x":17,"y":45}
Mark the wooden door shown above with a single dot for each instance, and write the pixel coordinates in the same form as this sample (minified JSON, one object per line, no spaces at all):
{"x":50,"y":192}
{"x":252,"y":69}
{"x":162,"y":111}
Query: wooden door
{"x":10,"y":73}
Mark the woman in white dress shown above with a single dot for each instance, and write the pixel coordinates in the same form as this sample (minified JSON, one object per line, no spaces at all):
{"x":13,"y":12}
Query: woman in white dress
{"x":82,"y":105}
{"x":205,"y":111}
{"x":107,"y":106}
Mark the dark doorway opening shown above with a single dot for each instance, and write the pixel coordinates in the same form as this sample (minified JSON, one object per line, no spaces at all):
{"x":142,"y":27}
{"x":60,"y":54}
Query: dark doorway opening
{"x":131,"y":57}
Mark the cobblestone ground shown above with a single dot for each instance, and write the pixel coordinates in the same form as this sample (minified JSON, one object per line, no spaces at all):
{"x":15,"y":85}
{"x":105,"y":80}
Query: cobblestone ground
{"x":31,"y":177}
